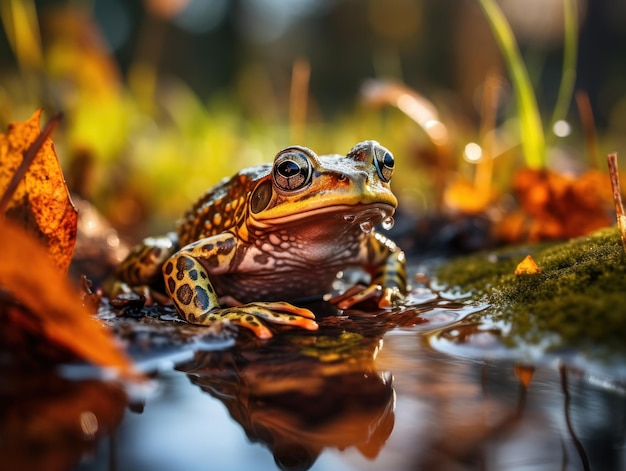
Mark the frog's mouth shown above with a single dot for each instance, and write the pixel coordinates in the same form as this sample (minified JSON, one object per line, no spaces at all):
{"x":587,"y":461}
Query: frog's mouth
{"x":367,"y":216}
{"x":364,"y":215}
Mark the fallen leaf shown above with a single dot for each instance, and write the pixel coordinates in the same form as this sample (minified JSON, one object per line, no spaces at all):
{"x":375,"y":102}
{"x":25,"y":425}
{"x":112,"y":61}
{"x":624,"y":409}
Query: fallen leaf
{"x":37,"y":298}
{"x":527,"y":267}
{"x":556,"y":206}
{"x":41,"y":202}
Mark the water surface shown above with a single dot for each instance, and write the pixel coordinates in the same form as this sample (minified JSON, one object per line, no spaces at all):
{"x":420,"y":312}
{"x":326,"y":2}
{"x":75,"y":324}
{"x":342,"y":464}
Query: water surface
{"x":427,"y":386}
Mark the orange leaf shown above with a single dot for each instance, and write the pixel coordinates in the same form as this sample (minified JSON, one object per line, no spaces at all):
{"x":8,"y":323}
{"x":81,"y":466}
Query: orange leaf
{"x":527,"y":267}
{"x":48,"y":305}
{"x":41,"y":202}
{"x":525,"y":373}
{"x":461,"y":195}
{"x":555,"y":206}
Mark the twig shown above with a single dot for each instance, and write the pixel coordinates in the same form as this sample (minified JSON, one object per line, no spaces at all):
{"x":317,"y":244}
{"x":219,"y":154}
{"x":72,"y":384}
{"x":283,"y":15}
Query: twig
{"x":27,"y":159}
{"x":617,"y":196}
{"x":568,"y":421}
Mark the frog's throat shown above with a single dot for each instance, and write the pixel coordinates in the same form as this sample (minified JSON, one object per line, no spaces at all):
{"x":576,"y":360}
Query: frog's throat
{"x":352,"y":214}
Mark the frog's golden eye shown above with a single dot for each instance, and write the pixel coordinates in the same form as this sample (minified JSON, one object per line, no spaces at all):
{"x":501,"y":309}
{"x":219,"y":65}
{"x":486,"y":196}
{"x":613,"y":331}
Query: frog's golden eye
{"x":384,"y":162}
{"x":292,"y":170}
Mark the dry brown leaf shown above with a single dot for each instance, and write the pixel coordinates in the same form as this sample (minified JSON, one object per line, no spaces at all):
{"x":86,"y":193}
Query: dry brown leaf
{"x":41,"y":203}
{"x":48,"y":305}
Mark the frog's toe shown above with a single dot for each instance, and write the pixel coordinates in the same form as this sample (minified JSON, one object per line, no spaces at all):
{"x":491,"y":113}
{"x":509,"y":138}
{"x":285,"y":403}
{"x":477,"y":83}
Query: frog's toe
{"x":253,"y":323}
{"x":384,"y":297}
{"x":390,"y":297}
{"x":285,"y":314}
{"x":356,"y":295}
{"x":250,"y":316}
{"x":285,"y":307}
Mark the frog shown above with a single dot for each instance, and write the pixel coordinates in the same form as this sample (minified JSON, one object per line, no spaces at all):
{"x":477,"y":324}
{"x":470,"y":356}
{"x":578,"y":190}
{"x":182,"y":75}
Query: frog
{"x":256,"y":243}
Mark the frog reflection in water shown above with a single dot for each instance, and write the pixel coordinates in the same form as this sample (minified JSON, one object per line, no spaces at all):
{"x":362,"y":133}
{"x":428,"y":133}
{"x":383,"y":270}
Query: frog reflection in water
{"x":303,"y":394}
{"x":276,"y":233}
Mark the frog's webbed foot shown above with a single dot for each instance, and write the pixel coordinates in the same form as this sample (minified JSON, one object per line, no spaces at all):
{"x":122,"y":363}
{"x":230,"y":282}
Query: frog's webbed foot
{"x":120,"y":290}
{"x":384,"y":297}
{"x":250,"y":315}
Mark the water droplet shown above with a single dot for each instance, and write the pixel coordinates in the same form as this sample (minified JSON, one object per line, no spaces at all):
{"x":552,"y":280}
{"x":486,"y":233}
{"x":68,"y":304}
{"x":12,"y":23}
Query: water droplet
{"x":388,"y":223}
{"x":349,"y":217}
{"x":366,"y":227}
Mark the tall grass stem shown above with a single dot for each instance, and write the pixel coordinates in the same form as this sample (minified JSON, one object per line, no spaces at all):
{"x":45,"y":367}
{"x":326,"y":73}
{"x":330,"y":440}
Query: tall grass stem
{"x":531,"y":128}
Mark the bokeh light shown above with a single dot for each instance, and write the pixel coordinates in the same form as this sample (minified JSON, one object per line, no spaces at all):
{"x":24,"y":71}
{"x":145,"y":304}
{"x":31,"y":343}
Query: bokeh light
{"x":472,"y":152}
{"x":561,"y":128}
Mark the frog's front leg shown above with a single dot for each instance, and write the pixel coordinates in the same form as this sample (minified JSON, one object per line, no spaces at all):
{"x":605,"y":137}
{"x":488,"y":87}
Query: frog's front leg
{"x":389,"y":264}
{"x":187,"y":282}
{"x":386,"y":263}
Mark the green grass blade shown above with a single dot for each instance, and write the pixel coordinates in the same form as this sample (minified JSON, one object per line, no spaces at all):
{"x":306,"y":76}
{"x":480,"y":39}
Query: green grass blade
{"x":570,"y":53}
{"x":531,"y":130}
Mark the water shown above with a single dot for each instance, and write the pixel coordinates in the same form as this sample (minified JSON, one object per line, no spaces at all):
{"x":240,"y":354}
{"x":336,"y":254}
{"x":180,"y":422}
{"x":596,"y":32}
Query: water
{"x":366,"y":226}
{"x":388,"y":223}
{"x":424,"y":387}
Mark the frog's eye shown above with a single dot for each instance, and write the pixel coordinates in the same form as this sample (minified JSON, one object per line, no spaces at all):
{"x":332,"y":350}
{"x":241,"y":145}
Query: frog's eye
{"x":384,"y":162}
{"x":292,"y":169}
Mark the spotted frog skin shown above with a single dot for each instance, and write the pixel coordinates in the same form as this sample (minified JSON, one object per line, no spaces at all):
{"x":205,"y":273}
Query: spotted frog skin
{"x":276,"y":233}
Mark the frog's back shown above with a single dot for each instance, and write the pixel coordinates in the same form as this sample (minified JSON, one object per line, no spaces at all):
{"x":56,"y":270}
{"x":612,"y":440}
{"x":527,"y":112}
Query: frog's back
{"x":221,"y":208}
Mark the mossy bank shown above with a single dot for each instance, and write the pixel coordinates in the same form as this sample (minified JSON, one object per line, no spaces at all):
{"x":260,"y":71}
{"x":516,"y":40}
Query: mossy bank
{"x":578,"y":300}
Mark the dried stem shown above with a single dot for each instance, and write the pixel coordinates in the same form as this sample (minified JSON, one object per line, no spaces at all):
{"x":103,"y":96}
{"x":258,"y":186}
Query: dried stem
{"x":28,"y":157}
{"x":589,"y":127}
{"x":484,"y":168}
{"x":617,"y":196}
{"x":299,"y":93}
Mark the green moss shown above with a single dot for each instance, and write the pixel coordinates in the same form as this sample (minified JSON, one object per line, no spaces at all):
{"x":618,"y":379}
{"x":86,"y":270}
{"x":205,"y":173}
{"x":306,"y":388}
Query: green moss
{"x":580,"y":295}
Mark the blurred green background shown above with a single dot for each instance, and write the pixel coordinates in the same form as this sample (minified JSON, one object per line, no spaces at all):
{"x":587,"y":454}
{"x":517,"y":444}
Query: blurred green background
{"x":163,"y":98}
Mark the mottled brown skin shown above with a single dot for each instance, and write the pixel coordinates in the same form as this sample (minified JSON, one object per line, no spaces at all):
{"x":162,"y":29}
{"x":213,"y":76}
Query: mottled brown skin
{"x":278,"y":231}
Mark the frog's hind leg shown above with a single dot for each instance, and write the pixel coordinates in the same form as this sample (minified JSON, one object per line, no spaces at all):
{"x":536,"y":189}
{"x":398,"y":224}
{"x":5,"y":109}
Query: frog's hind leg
{"x":143,"y":264}
{"x":140,"y":271}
